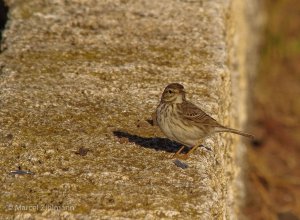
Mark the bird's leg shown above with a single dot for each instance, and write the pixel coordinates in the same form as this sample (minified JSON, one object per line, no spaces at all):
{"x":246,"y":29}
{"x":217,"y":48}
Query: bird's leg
{"x":178,"y":152}
{"x":185,"y":156}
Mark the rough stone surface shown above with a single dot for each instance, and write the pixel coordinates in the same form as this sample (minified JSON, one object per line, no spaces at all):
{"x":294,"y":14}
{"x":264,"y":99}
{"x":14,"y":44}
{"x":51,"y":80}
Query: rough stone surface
{"x":80,"y":79}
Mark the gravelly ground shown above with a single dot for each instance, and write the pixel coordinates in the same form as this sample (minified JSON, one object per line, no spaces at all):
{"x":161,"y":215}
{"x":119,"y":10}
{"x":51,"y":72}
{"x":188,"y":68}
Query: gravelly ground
{"x":80,"y":79}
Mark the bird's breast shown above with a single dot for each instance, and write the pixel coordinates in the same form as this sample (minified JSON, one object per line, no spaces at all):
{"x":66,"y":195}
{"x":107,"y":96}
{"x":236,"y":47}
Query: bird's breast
{"x":164,"y":113}
{"x":174,"y":127}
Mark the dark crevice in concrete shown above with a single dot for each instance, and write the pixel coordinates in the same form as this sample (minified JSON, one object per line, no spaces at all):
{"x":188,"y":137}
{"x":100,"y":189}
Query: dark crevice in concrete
{"x":3,"y":17}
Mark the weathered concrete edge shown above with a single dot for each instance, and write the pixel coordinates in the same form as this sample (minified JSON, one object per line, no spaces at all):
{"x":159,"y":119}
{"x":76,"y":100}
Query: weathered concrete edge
{"x":244,"y":32}
{"x":239,"y":54}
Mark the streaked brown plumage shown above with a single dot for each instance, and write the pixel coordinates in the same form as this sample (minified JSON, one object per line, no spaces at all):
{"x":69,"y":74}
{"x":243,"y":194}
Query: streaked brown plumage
{"x":184,"y":122}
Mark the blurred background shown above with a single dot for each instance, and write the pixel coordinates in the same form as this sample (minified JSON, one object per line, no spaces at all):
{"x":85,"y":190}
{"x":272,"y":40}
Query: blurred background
{"x":274,"y":159}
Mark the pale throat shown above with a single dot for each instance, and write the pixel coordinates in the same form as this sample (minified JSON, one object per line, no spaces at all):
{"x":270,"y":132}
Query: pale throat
{"x":178,"y":99}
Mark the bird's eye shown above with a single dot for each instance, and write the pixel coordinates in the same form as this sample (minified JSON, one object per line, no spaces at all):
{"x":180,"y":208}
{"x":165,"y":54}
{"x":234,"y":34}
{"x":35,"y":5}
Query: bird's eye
{"x":170,"y":91}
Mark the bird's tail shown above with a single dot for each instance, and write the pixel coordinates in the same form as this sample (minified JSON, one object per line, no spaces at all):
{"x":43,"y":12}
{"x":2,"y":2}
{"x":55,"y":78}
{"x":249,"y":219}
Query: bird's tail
{"x":231,"y":130}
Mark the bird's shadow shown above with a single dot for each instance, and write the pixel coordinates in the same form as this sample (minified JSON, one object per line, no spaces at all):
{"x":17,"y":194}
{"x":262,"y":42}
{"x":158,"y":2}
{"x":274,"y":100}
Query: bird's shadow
{"x":161,"y":144}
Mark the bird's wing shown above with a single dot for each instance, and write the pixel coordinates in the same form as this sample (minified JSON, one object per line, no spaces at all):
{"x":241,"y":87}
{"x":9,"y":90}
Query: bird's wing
{"x":195,"y":114}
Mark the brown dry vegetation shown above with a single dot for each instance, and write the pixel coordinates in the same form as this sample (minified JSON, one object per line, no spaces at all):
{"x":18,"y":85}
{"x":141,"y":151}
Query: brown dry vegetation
{"x":274,"y":170}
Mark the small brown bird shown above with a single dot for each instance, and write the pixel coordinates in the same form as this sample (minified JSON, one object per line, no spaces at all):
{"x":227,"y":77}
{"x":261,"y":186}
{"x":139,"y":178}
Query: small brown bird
{"x":184,"y":122}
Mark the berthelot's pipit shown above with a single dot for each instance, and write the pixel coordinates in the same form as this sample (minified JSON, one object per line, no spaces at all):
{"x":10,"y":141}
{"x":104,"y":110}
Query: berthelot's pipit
{"x":184,"y":122}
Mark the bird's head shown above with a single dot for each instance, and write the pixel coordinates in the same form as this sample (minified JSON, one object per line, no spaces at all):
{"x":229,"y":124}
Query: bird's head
{"x":173,"y":93}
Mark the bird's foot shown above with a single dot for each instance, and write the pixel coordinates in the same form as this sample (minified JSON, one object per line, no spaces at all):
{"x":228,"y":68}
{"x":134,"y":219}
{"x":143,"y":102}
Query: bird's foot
{"x":180,"y":156}
{"x":205,"y":147}
{"x":177,"y":154}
